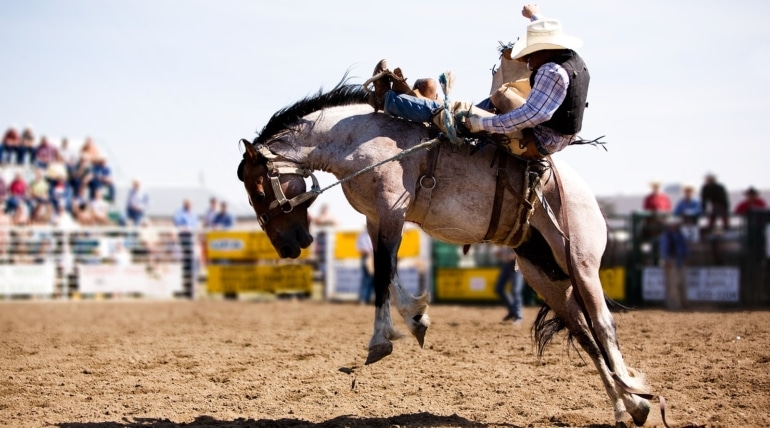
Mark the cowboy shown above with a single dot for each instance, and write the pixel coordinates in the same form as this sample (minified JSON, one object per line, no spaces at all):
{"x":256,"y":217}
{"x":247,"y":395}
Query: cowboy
{"x":552,"y":115}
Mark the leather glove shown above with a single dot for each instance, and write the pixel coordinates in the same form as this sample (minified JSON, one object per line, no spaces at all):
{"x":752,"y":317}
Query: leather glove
{"x":473,"y":123}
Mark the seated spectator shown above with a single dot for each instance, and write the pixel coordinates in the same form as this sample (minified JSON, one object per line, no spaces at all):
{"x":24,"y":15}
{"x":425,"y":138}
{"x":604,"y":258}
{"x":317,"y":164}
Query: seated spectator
{"x":80,"y":207}
{"x":9,"y":145}
{"x":223,"y":219}
{"x":17,"y":193}
{"x":57,"y":169}
{"x":89,"y":152}
{"x":210,"y":214}
{"x":40,"y":197}
{"x":80,"y":176}
{"x":25,"y":152}
{"x":100,"y":209}
{"x":60,"y":195}
{"x":101,"y":178}
{"x":44,"y":153}
{"x":752,"y":202}
{"x":689,"y":210}
{"x":68,"y":155}
{"x":62,"y":219}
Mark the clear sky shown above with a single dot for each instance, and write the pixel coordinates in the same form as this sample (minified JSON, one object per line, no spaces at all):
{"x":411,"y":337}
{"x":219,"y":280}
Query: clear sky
{"x":167,"y":88}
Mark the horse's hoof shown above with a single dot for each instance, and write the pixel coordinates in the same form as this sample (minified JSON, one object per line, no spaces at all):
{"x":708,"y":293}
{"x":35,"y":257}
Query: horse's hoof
{"x":378,"y":352}
{"x":639,"y":415}
{"x":421,"y":324}
{"x":620,"y":424}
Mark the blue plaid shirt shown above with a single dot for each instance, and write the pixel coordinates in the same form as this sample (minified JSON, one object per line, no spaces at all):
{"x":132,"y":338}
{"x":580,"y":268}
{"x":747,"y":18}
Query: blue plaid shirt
{"x":550,"y":90}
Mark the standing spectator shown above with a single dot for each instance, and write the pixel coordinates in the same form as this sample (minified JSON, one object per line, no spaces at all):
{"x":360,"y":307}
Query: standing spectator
{"x":321,"y":223}
{"x":223,"y":219}
{"x":137,"y":203}
{"x":657,"y":202}
{"x":688,"y":209}
{"x":187,"y":223}
{"x":752,"y":202}
{"x":26,"y":149}
{"x":45,"y":153}
{"x":210,"y":214}
{"x":509,"y":274}
{"x":716,"y":203}
{"x":101,"y":178}
{"x":674,"y":252}
{"x":9,"y":145}
{"x":365,"y":249}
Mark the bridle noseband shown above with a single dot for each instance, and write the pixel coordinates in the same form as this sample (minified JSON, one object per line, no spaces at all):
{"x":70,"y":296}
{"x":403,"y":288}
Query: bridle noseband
{"x":281,"y":204}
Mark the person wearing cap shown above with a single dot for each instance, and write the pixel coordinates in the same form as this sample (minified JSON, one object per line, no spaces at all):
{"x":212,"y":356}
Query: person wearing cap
{"x":552,"y":114}
{"x":752,"y":202}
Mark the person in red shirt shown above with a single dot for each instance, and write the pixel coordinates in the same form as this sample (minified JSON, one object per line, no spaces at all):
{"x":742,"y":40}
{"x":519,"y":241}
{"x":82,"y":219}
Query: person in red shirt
{"x":752,"y":202}
{"x":657,"y":201}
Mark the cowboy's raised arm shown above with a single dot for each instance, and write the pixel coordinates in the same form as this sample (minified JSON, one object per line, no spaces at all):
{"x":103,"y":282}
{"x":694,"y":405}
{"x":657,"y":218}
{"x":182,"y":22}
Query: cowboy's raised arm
{"x":531,"y":12}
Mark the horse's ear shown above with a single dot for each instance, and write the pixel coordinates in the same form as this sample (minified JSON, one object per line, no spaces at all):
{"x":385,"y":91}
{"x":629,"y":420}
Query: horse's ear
{"x":251,"y":151}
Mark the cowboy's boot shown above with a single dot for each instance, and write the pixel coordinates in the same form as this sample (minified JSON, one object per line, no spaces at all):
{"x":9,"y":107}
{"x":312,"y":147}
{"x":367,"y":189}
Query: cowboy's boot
{"x":399,"y":83}
{"x":381,"y":85}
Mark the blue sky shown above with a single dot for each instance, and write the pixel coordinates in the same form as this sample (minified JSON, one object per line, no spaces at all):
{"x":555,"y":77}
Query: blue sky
{"x":167,"y":88}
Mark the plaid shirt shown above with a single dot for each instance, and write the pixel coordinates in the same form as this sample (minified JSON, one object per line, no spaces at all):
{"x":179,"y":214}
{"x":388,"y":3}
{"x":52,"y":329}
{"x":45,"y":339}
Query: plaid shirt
{"x":549,"y":92}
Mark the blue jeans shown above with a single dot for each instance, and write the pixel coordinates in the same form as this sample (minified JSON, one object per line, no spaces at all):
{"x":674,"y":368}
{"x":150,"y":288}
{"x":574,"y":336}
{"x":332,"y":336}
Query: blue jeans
{"x":409,"y":107}
{"x":367,"y":284}
{"x":513,"y":301}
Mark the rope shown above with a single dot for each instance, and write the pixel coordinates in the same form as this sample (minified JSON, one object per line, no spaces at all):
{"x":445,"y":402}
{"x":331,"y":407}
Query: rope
{"x":423,"y":145}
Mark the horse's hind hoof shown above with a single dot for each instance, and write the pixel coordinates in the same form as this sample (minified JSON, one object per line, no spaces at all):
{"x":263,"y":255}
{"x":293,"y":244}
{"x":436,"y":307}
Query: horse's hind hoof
{"x":378,"y":352}
{"x":420,"y":327}
{"x":639,"y":415}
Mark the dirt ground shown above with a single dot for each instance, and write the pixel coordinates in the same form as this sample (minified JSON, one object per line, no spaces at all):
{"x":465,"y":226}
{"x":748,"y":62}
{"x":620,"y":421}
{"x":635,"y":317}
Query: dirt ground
{"x":105,"y":364}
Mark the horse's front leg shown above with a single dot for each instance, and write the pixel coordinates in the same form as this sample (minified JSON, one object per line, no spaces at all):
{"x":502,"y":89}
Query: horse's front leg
{"x":413,"y":310}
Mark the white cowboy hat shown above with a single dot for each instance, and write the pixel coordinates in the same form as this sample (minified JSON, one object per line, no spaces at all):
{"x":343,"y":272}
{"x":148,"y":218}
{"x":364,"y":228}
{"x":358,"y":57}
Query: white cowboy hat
{"x":542,"y":35}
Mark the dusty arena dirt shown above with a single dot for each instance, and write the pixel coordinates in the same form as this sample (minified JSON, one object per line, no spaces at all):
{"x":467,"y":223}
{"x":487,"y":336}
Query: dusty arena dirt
{"x":111,"y":364}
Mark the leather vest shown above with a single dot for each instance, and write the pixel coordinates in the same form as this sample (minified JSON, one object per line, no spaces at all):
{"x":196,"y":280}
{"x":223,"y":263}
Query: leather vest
{"x":568,"y":118}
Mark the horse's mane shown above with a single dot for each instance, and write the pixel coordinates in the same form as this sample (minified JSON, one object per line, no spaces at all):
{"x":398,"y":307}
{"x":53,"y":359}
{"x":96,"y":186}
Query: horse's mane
{"x":341,"y":95}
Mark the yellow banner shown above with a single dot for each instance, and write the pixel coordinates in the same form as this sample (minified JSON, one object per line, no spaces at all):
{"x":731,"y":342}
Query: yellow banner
{"x":466,"y":284}
{"x":254,"y":278}
{"x":242,"y":245}
{"x":345,"y":244}
{"x":614,"y":282}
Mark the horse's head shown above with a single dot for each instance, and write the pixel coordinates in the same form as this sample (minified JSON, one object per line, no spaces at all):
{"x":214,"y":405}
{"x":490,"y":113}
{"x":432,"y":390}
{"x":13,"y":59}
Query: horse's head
{"x":279,"y":198}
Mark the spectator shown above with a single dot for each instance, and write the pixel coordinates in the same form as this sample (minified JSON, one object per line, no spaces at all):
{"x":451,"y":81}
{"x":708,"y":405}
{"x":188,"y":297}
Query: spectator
{"x":187,"y":222}
{"x":45,"y":153}
{"x":80,"y":207}
{"x":324,"y":217}
{"x":509,"y":274}
{"x":40,"y":198}
{"x":3,"y":193}
{"x":674,"y":252}
{"x":80,"y":176}
{"x":62,"y":219}
{"x":223,"y":219}
{"x":688,"y":209}
{"x":101,"y":178}
{"x":17,"y":192}
{"x":9,"y":145}
{"x":210,"y":214}
{"x":68,"y":155}
{"x":137,"y":203}
{"x":89,"y":152}
{"x":366,"y":251}
{"x":323,"y":220}
{"x":60,"y":195}
{"x":715,"y":201}
{"x":184,"y":218}
{"x":657,"y":202}
{"x":99,"y":209}
{"x":752,"y":202}
{"x":57,"y":168}
{"x":26,"y":149}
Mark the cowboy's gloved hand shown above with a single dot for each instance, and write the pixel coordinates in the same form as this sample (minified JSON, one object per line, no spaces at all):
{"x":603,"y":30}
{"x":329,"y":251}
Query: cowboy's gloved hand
{"x":473,"y":123}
